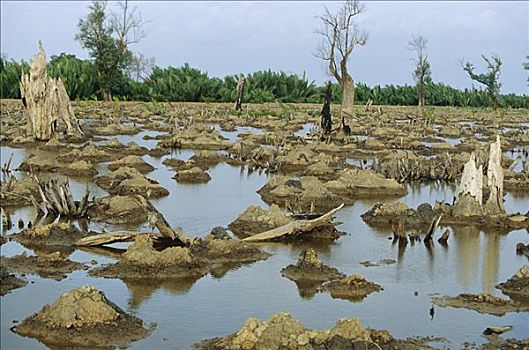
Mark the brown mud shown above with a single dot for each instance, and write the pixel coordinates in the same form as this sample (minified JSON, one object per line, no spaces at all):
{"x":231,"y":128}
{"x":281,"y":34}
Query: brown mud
{"x":53,"y":265}
{"x":282,"y":331}
{"x":83,"y":317}
{"x":483,"y":303}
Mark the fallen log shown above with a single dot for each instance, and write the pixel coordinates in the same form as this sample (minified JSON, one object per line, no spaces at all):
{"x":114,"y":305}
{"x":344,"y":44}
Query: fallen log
{"x":162,"y":225}
{"x":295,"y":227}
{"x":111,"y":237}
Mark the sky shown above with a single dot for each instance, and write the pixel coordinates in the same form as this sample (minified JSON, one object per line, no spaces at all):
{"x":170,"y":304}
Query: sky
{"x":230,"y":37}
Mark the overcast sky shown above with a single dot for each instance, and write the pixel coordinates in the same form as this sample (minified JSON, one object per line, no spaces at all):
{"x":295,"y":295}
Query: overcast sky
{"x":231,"y":37}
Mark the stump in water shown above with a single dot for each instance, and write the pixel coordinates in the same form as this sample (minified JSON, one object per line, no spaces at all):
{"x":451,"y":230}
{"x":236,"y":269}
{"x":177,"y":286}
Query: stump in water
{"x":494,"y":204}
{"x":240,"y":92}
{"x":470,"y":195}
{"x":46,"y":101}
{"x":326,"y":122}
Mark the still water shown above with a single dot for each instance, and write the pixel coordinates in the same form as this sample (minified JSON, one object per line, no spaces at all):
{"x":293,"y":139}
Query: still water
{"x":192,"y":310}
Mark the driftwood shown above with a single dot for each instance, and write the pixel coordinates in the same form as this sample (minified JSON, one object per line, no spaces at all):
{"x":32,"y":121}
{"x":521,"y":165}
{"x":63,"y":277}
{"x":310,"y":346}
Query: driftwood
{"x":111,"y":237}
{"x":161,"y":224}
{"x":56,"y":199}
{"x":295,"y":227}
{"x":46,"y":101}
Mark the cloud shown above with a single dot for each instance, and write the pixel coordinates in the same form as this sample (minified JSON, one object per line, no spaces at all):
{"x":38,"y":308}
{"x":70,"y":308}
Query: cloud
{"x":230,"y":37}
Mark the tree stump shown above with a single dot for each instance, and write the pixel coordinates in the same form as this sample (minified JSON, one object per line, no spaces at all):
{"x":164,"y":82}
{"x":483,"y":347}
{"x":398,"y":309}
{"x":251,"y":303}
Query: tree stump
{"x":470,"y":195}
{"x":494,"y":204}
{"x":46,"y":101}
{"x":240,"y":92}
{"x":326,"y":122}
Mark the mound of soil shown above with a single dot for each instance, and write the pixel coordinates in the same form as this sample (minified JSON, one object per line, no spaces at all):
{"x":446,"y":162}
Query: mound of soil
{"x":193,"y":175}
{"x":78,"y":168}
{"x":83,"y":317}
{"x":18,"y":192}
{"x":55,"y":234}
{"x":483,"y":303}
{"x":353,"y":287}
{"x":9,"y":281}
{"x":51,"y":265}
{"x":141,"y":260}
{"x":310,"y":268}
{"x":89,"y":153}
{"x":282,"y":331}
{"x":131,"y":161}
{"x":208,"y":158}
{"x":125,"y":180}
{"x":517,"y":287}
{"x":255,"y":220}
{"x":117,"y":210}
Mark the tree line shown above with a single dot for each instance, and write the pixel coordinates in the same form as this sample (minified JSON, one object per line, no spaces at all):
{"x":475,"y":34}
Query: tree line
{"x":115,"y":72}
{"x":188,"y":84}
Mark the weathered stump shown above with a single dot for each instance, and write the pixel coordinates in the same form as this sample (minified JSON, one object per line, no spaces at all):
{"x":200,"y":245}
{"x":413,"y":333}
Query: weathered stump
{"x":46,"y":101}
{"x":494,"y":204}
{"x":240,"y":92}
{"x":470,"y":195}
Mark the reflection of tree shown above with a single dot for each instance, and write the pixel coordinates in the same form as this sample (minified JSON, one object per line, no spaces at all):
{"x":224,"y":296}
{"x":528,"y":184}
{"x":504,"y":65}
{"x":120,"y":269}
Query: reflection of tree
{"x":142,"y":289}
{"x":468,"y":251}
{"x":491,"y":260}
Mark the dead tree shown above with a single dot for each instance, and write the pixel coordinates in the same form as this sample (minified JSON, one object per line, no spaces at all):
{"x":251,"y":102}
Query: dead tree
{"x":494,"y":204}
{"x":326,"y":121}
{"x":46,"y":101}
{"x":470,"y":195}
{"x":340,"y":36}
{"x":56,"y":199}
{"x":422,"y":73}
{"x":241,"y":84}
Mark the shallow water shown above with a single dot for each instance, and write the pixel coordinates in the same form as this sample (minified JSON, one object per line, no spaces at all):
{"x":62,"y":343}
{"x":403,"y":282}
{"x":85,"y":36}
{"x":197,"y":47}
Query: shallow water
{"x":189,"y":311}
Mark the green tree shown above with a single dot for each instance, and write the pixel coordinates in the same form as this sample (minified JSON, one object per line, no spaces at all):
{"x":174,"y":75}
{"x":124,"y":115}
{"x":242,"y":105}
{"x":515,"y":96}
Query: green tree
{"x":108,"y":41}
{"x":489,"y":79}
{"x":422,"y":73}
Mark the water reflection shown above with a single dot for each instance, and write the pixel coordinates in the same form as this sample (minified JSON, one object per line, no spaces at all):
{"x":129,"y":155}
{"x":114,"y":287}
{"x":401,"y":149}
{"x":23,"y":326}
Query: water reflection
{"x":467,"y":250}
{"x":491,"y":260}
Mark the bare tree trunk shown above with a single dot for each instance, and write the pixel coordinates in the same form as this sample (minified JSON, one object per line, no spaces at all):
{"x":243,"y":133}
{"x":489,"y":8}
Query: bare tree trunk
{"x":420,"y":93}
{"x":348,"y":94}
{"x":494,"y":204}
{"x":470,"y":194}
{"x":240,"y":92}
{"x":46,"y":101}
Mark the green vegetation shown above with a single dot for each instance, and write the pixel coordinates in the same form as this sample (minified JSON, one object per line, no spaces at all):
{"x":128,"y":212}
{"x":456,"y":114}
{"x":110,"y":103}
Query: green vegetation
{"x":189,"y":84}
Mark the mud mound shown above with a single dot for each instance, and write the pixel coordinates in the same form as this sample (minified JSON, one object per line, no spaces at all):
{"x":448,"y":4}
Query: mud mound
{"x":117,"y":210}
{"x":17,"y":192}
{"x":45,"y":265}
{"x":255,"y":220}
{"x":125,"y":180}
{"x":9,"y":281}
{"x":517,"y":287}
{"x":208,"y":158}
{"x":78,"y":168}
{"x":193,"y":175}
{"x":131,"y":161}
{"x":215,"y":251}
{"x":310,"y":268}
{"x":142,"y":261}
{"x":56,"y":234}
{"x":483,"y":303}
{"x":353,"y":287}
{"x":282,"y":331}
{"x":83,"y":317}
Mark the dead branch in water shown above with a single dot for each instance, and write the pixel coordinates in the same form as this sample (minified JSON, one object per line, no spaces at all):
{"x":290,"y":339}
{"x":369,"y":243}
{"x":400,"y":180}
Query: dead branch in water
{"x":297,"y":227}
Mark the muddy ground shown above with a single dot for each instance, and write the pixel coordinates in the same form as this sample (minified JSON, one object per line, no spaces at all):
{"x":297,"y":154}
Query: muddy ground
{"x":128,"y":150}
